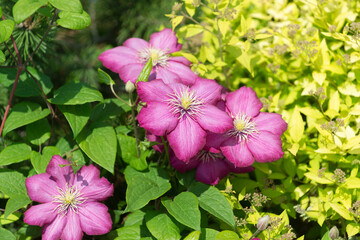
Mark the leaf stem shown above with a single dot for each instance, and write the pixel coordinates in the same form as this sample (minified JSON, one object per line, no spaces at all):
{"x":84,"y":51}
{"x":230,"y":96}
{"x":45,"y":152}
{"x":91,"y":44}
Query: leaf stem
{"x":113,"y":91}
{"x":136,"y":131}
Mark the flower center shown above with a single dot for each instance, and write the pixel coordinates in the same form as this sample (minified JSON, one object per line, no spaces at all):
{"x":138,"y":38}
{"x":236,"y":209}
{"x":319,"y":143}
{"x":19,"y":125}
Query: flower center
{"x":243,"y":127}
{"x":185,"y":102}
{"x":206,"y":156}
{"x":158,"y":56}
{"x":69,"y":198}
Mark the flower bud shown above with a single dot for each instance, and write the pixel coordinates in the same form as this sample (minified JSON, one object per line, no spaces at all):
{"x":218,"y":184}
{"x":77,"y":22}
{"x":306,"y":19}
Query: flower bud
{"x":263,"y":223}
{"x":129,"y":87}
{"x":334,"y":233}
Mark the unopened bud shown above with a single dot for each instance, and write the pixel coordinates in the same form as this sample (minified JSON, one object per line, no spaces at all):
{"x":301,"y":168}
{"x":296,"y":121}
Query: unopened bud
{"x":129,"y":87}
{"x":263,"y":223}
{"x":334,"y":233}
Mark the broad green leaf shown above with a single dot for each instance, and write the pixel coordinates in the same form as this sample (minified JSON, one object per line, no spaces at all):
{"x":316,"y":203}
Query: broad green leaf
{"x":104,"y":77}
{"x":2,"y":57}
{"x":75,"y":21}
{"x":227,"y":235}
{"x":38,"y":132}
{"x":176,"y":21}
{"x":341,"y":210}
{"x":76,"y":93}
{"x":322,"y":180}
{"x":6,"y":29}
{"x":129,"y":152}
{"x":22,"y":114}
{"x":352,"y":229}
{"x":185,"y":209}
{"x":77,"y":116}
{"x":245,"y":60}
{"x":109,"y":108}
{"x":15,"y":203}
{"x":145,"y":72}
{"x":135,"y":218}
{"x":144,"y":186}
{"x":208,"y":234}
{"x":163,"y":228}
{"x":334,"y":105}
{"x":25,"y":8}
{"x":296,"y":126}
{"x":39,"y":161}
{"x":134,"y":232}
{"x":6,"y":234}
{"x":100,"y":145}
{"x":350,"y":88}
{"x":15,"y":153}
{"x":27,"y":86}
{"x":352,"y":183}
{"x":195,"y":235}
{"x":68,"y":5}
{"x":311,"y":112}
{"x":9,"y":219}
{"x":326,"y":236}
{"x":319,"y":77}
{"x":212,"y":201}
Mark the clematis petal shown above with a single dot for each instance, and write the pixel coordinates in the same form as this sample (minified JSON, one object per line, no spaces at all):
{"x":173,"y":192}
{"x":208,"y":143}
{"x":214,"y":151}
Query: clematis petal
{"x":208,"y":90}
{"x":60,"y":170}
{"x":243,"y":101}
{"x":153,"y":138}
{"x":214,"y":120}
{"x":87,"y":175}
{"x":239,"y":169}
{"x":271,"y":122}
{"x":214,"y":140}
{"x":94,"y":218}
{"x":165,"y":40}
{"x":182,"y":60}
{"x":118,"y":57}
{"x":41,"y":214}
{"x":98,"y":190}
{"x":187,"y":76}
{"x":187,"y":139}
{"x":211,"y":172}
{"x":136,"y":43}
{"x":237,"y":153}
{"x":182,"y":166}
{"x":154,"y":91}
{"x":41,"y":188}
{"x":157,"y":118}
{"x":72,"y":229}
{"x":265,"y":147}
{"x":167,"y":76}
{"x":54,"y":229}
{"x":130,"y":72}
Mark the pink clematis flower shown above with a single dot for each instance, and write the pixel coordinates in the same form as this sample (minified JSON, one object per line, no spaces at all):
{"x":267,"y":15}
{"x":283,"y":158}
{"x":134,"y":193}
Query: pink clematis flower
{"x":255,"y":135}
{"x":128,"y":60}
{"x":69,"y":202}
{"x":183,"y":114}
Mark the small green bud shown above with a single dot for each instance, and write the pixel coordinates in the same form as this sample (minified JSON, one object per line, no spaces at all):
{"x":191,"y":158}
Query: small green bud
{"x":129,"y":87}
{"x":263,"y":223}
{"x":334,"y":233}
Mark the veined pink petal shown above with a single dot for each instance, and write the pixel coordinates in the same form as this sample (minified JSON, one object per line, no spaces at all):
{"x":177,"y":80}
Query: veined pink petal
{"x":165,"y":40}
{"x":54,"y":229}
{"x":182,"y":166}
{"x":157,"y":118}
{"x":243,"y":101}
{"x":265,"y":147}
{"x":86,"y":176}
{"x":98,"y":190}
{"x":237,"y":153}
{"x":130,"y":72}
{"x":41,"y":214}
{"x":187,"y":139}
{"x":271,"y":122}
{"x":72,"y":229}
{"x":41,"y":188}
{"x":215,"y":140}
{"x":118,"y":57}
{"x":167,"y":76}
{"x":239,"y":169}
{"x":208,"y":90}
{"x":214,"y":120}
{"x":187,"y":76}
{"x":155,"y":90}
{"x":60,"y":170}
{"x":94,"y":218}
{"x":211,"y":172}
{"x":182,"y":60}
{"x":136,"y":43}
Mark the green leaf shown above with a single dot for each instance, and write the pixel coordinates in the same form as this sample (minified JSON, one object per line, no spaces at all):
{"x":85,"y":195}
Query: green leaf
{"x":208,"y":234}
{"x":2,"y":57}
{"x":107,"y":109}
{"x":129,"y":152}
{"x":227,"y":235}
{"x":75,"y":21}
{"x":352,"y":183}
{"x":212,"y":201}
{"x":100,"y":145}
{"x":163,"y":228}
{"x":144,"y":186}
{"x":77,"y":116}
{"x":22,"y":114}
{"x":6,"y":29}
{"x":9,"y":219}
{"x":76,"y":93}
{"x":105,"y":78}
{"x":145,"y":72}
{"x":195,"y":235}
{"x":326,"y":236}
{"x":68,"y":5}
{"x":38,"y":132}
{"x":6,"y":234}
{"x":134,"y":232}
{"x":352,"y":229}
{"x":27,"y":87}
{"x":185,"y":209}
{"x":39,"y":161}
{"x":296,"y":126}
{"x":15,"y":153}
{"x":341,"y":210}
{"x":25,"y":8}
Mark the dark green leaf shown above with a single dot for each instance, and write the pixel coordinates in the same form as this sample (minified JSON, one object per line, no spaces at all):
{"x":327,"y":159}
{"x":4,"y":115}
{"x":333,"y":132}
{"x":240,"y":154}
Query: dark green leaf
{"x":27,"y":86}
{"x":107,"y":109}
{"x":25,"y":8}
{"x":134,"y":232}
{"x":105,"y":78}
{"x":68,"y":5}
{"x":163,"y":228}
{"x":6,"y":29}
{"x":15,"y":153}
{"x":38,"y":132}
{"x":39,"y":161}
{"x":73,"y":20}
{"x":145,"y":72}
{"x":77,"y":116}
{"x":6,"y":234}
{"x":129,"y":152}
{"x":2,"y":57}
{"x":208,"y":234}
{"x":227,"y":235}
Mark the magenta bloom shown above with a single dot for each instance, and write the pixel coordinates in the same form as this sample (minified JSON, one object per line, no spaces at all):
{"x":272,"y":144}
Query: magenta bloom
{"x":255,"y":135}
{"x":69,"y":202}
{"x":182,"y":113}
{"x":128,"y":60}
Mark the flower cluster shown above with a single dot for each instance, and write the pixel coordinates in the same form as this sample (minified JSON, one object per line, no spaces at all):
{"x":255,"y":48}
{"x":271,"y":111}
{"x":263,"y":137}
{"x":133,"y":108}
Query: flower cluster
{"x":207,"y":127}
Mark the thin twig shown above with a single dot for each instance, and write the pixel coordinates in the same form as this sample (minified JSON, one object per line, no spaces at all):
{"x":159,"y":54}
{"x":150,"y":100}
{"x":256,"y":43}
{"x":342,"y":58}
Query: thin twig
{"x":72,"y":150}
{"x":11,"y":54}
{"x":8,"y":66}
{"x":113,"y":91}
{"x":192,"y":19}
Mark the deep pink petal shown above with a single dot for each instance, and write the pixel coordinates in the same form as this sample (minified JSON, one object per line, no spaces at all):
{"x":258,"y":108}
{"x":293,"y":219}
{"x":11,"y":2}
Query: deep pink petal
{"x":54,"y":230}
{"x":60,"y":170}
{"x":157,"y":118}
{"x":136,"y":43}
{"x":213,"y":119}
{"x":187,"y":76}
{"x":239,"y":169}
{"x":271,"y":122}
{"x":72,"y":230}
{"x":182,"y":166}
{"x":155,"y":90}
{"x":208,"y":90}
{"x":130,"y":72}
{"x":237,"y":153}
{"x":211,"y":172}
{"x":87,"y":175}
{"x":41,"y":214}
{"x":118,"y":57}
{"x":243,"y":101}
{"x":94,"y":218}
{"x":41,"y":188}
{"x":153,"y":138}
{"x":182,"y":60}
{"x":187,"y":139}
{"x":165,"y":40}
{"x":214,"y":140}
{"x":99,"y":190}
{"x":265,"y":147}
{"x":167,"y":76}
